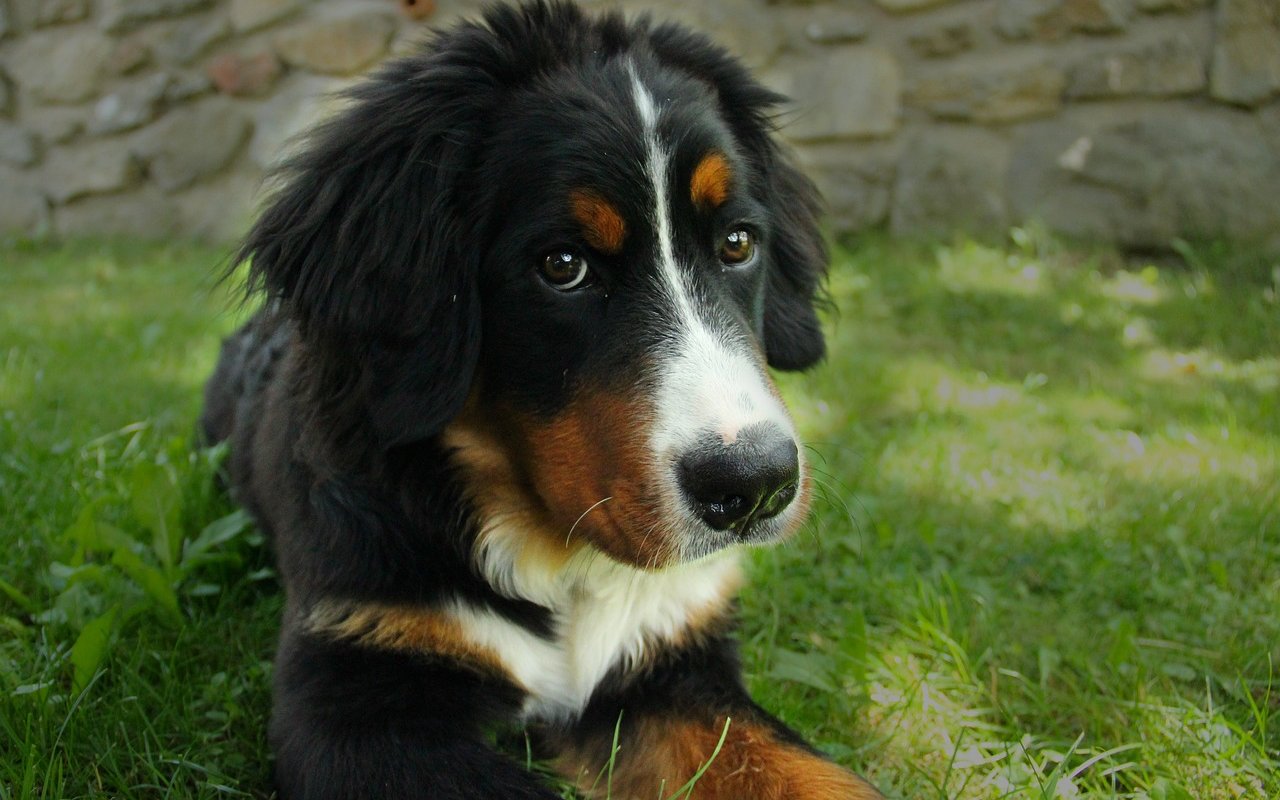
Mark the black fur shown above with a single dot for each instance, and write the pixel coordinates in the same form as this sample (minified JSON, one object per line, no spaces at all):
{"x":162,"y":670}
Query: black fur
{"x":393,"y":258}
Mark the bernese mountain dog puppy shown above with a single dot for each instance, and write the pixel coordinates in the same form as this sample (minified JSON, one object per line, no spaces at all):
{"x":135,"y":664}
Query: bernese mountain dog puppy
{"x":507,"y":418}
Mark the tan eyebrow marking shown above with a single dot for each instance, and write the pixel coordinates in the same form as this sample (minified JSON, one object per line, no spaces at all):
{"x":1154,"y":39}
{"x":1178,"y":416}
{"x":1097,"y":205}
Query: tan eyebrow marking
{"x":711,"y":178}
{"x":602,"y":226}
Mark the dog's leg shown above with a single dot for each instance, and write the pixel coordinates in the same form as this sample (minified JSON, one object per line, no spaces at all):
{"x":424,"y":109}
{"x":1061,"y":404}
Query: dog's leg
{"x":692,"y":714}
{"x":352,"y":722}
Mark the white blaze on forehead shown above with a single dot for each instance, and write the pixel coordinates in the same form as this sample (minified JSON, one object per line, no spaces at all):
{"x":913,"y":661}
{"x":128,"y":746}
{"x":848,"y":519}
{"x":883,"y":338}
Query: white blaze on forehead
{"x":710,"y":380}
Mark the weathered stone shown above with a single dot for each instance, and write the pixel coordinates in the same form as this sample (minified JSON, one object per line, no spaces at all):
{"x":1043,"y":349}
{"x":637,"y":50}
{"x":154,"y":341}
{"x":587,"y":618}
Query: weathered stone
{"x":850,"y":93}
{"x":131,"y":106}
{"x":247,"y":15}
{"x":185,"y":147}
{"x":1164,"y":6}
{"x":1246,"y":54}
{"x":998,"y":95}
{"x":117,"y":15}
{"x":842,"y":30}
{"x":1050,"y":20}
{"x":145,"y":214}
{"x":187,"y":86}
{"x":95,"y":168}
{"x":1169,"y":173}
{"x":951,"y":179}
{"x":219,"y":210}
{"x":338,"y":45}
{"x":1165,"y":68}
{"x":61,"y":66}
{"x":242,"y":74}
{"x":296,"y":108}
{"x":60,"y":12}
{"x":53,"y":124}
{"x":908,"y":6}
{"x":130,"y":54}
{"x":190,"y":38}
{"x":6,"y":95}
{"x":941,"y":42}
{"x":747,"y":29}
{"x":1098,"y":16}
{"x":5,"y":24}
{"x":18,"y":146}
{"x":857,"y":187}
{"x":24,"y":209}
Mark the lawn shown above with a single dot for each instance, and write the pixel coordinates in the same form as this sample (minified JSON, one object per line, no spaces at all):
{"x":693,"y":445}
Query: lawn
{"x":1044,"y":559}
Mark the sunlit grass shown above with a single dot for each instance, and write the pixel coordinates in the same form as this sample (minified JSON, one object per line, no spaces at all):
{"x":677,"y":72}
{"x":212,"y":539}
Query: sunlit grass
{"x":1044,"y":560}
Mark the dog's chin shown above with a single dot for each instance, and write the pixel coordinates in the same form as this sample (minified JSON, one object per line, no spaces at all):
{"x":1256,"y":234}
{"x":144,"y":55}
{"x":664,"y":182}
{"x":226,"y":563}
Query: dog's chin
{"x":697,"y":541}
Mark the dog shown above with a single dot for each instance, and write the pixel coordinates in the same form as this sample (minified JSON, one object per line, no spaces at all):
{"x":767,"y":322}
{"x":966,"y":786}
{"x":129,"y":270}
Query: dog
{"x":507,"y":419}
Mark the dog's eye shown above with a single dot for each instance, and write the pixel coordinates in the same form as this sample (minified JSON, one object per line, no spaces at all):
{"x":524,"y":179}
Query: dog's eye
{"x":738,"y":248}
{"x":565,"y":270}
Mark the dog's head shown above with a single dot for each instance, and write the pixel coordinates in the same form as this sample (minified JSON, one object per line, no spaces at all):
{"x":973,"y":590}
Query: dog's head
{"x":579,"y":237}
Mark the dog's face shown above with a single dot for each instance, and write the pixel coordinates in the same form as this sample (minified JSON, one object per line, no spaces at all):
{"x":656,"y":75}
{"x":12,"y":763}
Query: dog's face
{"x":609,"y":254}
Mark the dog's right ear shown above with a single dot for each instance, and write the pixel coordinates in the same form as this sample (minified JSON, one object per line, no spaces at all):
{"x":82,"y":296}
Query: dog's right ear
{"x":363,"y":244}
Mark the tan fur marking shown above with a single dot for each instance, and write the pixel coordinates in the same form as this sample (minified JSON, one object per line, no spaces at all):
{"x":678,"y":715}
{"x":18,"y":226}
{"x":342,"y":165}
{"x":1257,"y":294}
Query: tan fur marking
{"x":602,"y":226}
{"x":711,"y":178}
{"x":659,"y":756}
{"x":404,"y":629}
{"x":582,"y":476}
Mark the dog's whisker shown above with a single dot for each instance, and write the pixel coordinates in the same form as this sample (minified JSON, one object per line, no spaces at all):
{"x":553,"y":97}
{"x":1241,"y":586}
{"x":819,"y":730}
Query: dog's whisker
{"x":582,"y":516}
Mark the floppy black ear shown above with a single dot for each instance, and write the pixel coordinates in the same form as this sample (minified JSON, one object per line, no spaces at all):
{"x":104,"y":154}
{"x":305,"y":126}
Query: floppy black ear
{"x":793,"y":337}
{"x":363,"y":245}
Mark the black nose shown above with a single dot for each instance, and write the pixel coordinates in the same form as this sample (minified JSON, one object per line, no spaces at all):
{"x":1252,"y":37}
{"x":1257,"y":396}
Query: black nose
{"x":736,"y":485}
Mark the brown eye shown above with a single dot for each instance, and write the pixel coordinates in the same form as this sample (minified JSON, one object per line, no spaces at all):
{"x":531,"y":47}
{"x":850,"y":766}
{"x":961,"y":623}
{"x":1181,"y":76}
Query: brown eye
{"x":565,"y":270}
{"x":738,"y":248}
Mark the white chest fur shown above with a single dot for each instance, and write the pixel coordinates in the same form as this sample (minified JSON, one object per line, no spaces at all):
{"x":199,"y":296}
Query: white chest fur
{"x":605,"y":614}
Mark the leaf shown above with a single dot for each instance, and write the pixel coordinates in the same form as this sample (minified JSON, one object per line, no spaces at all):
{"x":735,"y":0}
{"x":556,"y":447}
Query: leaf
{"x":152,"y":581}
{"x":92,"y":534}
{"x":810,"y":669}
{"x":90,"y":648}
{"x":16,"y":595}
{"x":1165,"y":789}
{"x":157,"y":503}
{"x":215,"y":534}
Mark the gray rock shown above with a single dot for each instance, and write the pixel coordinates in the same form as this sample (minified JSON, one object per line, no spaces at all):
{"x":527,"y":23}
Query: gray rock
{"x":856,"y":185}
{"x":337,"y":45}
{"x":187,"y":86}
{"x":190,"y":38}
{"x":281,"y":119}
{"x":846,"y":30}
{"x":193,"y":143}
{"x":220,"y":210}
{"x":1050,"y":20}
{"x":997,"y":94}
{"x":943,"y":41}
{"x":1168,"y":6}
{"x":24,"y":210}
{"x":6,"y":95}
{"x":247,"y":15}
{"x":130,"y":55}
{"x":745,"y":28}
{"x":1170,"y":173}
{"x":849,"y":93}
{"x":94,"y":168}
{"x":61,"y":66}
{"x":1246,"y":54}
{"x":116,"y":15}
{"x":130,"y":107}
{"x":908,"y":6}
{"x":60,"y":12}
{"x":54,"y":124}
{"x":1165,"y":68}
{"x":4,"y":19}
{"x":145,"y":214}
{"x":18,"y":146}
{"x":951,"y":179}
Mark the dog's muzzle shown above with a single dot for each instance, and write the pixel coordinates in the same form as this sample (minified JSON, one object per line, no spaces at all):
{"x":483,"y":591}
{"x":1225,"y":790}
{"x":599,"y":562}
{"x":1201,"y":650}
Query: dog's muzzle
{"x":735,"y":486}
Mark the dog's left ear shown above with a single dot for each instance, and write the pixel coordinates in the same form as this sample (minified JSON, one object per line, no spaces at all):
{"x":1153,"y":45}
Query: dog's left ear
{"x":798,"y":256}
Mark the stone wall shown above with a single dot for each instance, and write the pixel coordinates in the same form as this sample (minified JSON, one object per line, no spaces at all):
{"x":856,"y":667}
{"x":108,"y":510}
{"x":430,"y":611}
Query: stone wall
{"x":1134,"y":121}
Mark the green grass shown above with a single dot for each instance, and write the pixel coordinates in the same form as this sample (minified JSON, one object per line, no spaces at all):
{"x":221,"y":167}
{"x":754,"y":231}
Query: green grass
{"x":1044,"y":559}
